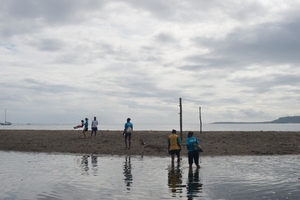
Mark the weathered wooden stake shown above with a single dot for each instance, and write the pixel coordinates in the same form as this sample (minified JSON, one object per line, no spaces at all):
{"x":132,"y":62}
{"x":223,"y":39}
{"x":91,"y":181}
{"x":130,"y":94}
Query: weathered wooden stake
{"x":200,"y":120}
{"x":180,"y":114}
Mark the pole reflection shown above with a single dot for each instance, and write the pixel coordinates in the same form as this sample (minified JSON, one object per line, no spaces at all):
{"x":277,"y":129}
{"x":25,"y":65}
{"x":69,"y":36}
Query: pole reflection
{"x":175,"y":180}
{"x":127,"y":172}
{"x":194,"y":186}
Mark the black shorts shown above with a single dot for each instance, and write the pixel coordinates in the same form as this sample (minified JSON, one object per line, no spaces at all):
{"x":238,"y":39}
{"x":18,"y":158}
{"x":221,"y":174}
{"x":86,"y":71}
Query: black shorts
{"x":94,"y":128}
{"x":172,"y":152}
{"x":86,"y":129}
{"x":127,"y":134}
{"x":193,"y":156}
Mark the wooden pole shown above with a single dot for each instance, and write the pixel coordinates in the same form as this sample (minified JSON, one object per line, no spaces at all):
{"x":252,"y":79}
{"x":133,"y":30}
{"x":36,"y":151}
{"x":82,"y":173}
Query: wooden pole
{"x":180,"y":114}
{"x":200,"y":120}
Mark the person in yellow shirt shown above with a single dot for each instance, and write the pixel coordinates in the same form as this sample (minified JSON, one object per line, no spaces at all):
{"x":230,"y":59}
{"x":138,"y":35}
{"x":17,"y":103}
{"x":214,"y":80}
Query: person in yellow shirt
{"x":174,"y":146}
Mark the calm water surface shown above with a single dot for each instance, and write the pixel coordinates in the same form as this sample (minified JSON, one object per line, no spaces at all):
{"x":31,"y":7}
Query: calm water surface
{"x":161,"y":127}
{"x":51,"y":176}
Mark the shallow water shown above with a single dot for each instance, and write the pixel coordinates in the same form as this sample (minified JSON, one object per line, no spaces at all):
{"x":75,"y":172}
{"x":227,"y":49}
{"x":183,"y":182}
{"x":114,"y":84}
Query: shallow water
{"x":161,"y":127}
{"x":56,"y":176}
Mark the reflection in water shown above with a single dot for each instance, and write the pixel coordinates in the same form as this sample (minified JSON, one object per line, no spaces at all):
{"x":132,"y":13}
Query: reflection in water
{"x":94,"y":165}
{"x":175,"y":180}
{"x":193,"y":185}
{"x":127,"y":172}
{"x":85,"y":164}
{"x":64,"y":177}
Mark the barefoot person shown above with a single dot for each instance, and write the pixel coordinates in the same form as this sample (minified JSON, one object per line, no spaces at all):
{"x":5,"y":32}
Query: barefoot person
{"x":193,"y":156}
{"x":86,"y":127}
{"x":94,"y":126}
{"x":174,"y":146}
{"x":128,"y":128}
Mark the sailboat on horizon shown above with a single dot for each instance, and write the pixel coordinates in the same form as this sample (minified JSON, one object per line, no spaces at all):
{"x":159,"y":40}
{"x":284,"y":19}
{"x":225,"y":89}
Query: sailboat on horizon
{"x":6,"y":123}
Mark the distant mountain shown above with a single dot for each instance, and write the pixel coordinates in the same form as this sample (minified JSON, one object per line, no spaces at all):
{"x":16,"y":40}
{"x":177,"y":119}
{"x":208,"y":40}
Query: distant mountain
{"x":294,"y":119}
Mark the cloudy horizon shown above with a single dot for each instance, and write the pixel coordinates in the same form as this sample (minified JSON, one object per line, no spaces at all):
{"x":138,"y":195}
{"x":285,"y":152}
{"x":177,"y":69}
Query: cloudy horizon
{"x":65,"y":60}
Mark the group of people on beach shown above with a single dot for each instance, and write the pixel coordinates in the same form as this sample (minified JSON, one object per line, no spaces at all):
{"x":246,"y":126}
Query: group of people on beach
{"x":128,"y":129}
{"x":85,"y":124}
{"x":174,"y":147}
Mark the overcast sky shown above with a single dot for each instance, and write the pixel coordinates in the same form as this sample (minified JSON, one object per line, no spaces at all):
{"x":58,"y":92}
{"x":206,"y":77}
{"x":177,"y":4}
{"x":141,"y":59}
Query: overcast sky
{"x":63,"y":60}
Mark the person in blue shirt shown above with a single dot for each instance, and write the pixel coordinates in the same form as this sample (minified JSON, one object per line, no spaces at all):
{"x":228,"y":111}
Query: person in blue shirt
{"x":128,"y":129}
{"x":193,"y":156}
{"x":86,"y":127}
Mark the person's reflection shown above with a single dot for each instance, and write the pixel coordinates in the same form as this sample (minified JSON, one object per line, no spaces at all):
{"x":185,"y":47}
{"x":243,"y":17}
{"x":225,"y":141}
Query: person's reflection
{"x":85,"y":163}
{"x":127,"y":172}
{"x":194,"y":187}
{"x":175,"y":180}
{"x":94,"y":164}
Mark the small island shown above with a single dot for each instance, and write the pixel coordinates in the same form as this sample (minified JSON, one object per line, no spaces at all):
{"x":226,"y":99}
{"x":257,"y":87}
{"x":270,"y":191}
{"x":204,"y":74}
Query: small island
{"x":281,"y":120}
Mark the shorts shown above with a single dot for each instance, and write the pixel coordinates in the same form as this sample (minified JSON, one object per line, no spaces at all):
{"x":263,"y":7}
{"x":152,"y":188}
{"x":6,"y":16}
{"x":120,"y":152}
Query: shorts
{"x":193,"y":156}
{"x":94,"y":128}
{"x":172,"y":152}
{"x":85,"y":129}
{"x":127,"y":134}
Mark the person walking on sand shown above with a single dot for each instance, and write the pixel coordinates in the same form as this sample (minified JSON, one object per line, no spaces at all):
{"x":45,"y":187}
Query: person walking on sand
{"x":86,"y":127}
{"x":128,"y":129}
{"x":174,"y":146}
{"x":193,"y":156}
{"x":94,"y":126}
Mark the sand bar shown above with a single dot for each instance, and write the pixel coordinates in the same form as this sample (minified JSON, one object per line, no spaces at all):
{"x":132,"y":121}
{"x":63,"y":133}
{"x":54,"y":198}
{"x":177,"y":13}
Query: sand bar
{"x":155,"y":142}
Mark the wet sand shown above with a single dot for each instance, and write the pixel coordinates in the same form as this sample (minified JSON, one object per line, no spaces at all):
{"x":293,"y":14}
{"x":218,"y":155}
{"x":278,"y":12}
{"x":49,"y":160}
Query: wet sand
{"x":155,"y":142}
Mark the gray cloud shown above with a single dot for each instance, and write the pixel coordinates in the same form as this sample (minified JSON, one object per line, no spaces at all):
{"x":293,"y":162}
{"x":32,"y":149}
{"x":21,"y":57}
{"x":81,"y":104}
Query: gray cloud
{"x":259,"y":86}
{"x":165,"y":38}
{"x":31,"y":16}
{"x":193,"y":67}
{"x":44,"y":87}
{"x":49,"y":44}
{"x":51,"y":12}
{"x":262,"y":44}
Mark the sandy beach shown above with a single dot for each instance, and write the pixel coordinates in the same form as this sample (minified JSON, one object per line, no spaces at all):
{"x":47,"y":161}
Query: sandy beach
{"x":155,"y":142}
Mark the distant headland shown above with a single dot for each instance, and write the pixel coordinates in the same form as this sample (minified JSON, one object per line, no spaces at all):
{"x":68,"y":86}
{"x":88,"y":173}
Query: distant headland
{"x":281,"y":120}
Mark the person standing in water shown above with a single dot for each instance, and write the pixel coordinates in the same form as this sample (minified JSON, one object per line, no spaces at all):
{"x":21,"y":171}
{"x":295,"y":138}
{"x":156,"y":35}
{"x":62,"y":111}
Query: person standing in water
{"x":193,"y":156}
{"x":128,"y":129}
{"x":174,"y":146}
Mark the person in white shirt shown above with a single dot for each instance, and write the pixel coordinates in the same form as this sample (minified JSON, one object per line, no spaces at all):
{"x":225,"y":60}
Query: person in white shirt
{"x":94,"y":126}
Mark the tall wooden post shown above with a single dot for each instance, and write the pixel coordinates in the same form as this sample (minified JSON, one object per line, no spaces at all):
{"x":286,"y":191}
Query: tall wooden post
{"x":180,"y":114}
{"x":200,"y":120}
